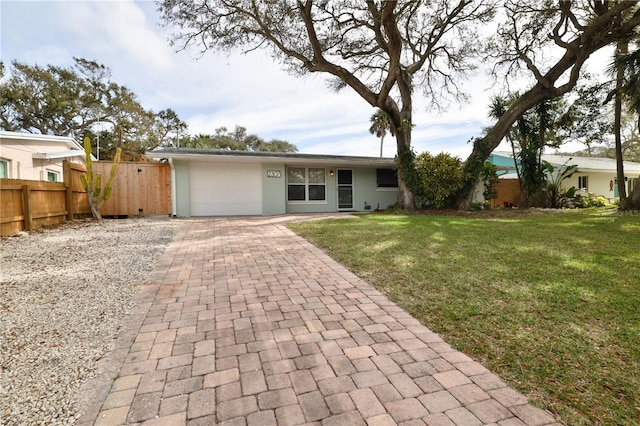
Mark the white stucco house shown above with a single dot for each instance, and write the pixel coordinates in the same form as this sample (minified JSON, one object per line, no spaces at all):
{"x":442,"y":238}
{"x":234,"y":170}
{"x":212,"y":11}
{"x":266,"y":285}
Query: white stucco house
{"x":225,"y":183}
{"x":594,"y":175}
{"x":32,"y":156}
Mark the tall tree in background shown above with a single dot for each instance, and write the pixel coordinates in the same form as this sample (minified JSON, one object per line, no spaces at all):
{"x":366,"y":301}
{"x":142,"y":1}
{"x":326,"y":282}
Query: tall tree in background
{"x":170,"y":128}
{"x":379,"y":126}
{"x":82,"y":100}
{"x":591,"y":122}
{"x":236,"y":140}
{"x":383,"y":50}
{"x":626,"y":67}
{"x":622,"y":50}
{"x":534,"y":32}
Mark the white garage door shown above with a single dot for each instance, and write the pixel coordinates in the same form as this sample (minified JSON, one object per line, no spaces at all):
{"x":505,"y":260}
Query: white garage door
{"x":225,"y":189}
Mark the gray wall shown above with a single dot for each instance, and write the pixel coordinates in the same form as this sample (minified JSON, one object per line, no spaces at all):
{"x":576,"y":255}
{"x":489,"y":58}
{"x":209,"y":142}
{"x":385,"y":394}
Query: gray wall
{"x":274,"y":189}
{"x":183,"y":201}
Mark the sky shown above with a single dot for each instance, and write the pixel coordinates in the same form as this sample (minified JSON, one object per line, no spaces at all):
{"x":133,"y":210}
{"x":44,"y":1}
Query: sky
{"x":224,"y":90}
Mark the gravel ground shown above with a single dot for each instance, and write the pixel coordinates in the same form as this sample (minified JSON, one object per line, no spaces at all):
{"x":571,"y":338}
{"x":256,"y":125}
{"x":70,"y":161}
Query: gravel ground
{"x":64,"y":293}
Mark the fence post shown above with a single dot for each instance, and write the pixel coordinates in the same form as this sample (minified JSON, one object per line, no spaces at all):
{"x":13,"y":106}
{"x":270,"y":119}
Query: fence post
{"x":26,"y":207}
{"x":66,"y":172}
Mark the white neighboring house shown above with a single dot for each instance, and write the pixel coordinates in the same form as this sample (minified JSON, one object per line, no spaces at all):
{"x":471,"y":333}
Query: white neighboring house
{"x":594,"y":175}
{"x":33,"y":156}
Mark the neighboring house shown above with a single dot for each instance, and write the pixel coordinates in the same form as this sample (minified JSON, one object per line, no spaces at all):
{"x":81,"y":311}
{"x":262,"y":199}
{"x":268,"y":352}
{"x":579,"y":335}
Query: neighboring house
{"x":32,"y":156}
{"x":594,"y":175}
{"x":224,"y":183}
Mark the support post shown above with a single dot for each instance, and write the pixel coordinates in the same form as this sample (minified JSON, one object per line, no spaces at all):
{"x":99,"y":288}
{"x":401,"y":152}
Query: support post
{"x":66,"y":172}
{"x":26,"y":208}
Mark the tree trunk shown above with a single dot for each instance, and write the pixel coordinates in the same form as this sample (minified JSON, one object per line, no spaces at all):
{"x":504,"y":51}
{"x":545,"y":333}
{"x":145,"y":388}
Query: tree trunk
{"x":623,"y":49}
{"x":633,"y":200}
{"x":483,"y":147}
{"x":406,"y":170}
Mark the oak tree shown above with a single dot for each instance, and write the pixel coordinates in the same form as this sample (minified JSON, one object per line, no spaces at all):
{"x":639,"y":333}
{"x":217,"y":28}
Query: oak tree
{"x":382,"y":50}
{"x":82,"y":100}
{"x":549,"y":43}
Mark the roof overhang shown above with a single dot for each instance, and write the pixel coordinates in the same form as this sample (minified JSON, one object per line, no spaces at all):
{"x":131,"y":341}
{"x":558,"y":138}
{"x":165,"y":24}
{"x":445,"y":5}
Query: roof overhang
{"x":228,"y":156}
{"x":585,"y":164}
{"x":36,"y":137}
{"x":57,"y":155}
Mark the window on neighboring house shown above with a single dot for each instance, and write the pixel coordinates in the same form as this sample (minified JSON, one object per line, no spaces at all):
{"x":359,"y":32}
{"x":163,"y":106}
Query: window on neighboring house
{"x":52,"y":176}
{"x":306,"y":184}
{"x":386,"y":178}
{"x":583,"y":183}
{"x":4,"y":169}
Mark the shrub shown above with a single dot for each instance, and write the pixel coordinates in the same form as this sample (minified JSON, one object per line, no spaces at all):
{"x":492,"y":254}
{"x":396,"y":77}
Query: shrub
{"x":439,"y":179}
{"x":590,"y":200}
{"x":490,"y":180}
{"x":479,"y":205}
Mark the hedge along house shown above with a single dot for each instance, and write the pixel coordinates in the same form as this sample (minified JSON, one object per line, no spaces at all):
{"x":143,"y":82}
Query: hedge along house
{"x":230,"y":183}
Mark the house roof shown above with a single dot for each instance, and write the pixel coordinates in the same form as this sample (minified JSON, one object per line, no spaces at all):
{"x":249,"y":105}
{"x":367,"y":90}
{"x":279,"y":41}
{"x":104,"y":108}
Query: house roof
{"x":74,"y":149}
{"x":35,"y":137}
{"x":267,"y":157}
{"x":585,"y":164}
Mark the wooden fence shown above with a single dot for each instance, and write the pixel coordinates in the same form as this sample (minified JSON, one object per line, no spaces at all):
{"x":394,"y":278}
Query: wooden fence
{"x":508,"y":192}
{"x":138,"y":189}
{"x":28,"y":204}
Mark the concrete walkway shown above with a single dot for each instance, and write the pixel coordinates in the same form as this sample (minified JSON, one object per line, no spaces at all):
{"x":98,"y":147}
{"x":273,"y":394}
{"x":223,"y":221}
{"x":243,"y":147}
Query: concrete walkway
{"x":244,"y":323}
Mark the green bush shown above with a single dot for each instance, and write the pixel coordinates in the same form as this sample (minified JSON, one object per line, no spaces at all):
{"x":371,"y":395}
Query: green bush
{"x":439,"y":179}
{"x":479,"y":205}
{"x":590,"y":200}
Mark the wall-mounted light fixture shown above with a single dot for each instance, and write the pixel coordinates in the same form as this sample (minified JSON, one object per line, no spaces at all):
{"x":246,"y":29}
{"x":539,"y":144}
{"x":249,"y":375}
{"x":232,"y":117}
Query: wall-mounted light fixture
{"x":331,"y":173}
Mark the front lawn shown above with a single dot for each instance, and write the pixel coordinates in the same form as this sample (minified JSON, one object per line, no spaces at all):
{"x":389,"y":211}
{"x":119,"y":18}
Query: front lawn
{"x":548,"y":301}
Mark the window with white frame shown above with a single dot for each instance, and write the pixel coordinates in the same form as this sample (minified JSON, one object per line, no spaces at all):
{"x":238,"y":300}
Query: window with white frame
{"x":52,"y":176}
{"x":583,"y":183}
{"x":4,"y":169}
{"x":306,"y":184}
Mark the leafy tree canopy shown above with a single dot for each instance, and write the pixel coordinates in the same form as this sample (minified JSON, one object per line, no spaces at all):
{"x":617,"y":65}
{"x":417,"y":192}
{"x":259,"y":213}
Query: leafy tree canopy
{"x":82,"y":100}
{"x":382,"y":50}
{"x":236,"y":140}
{"x":547,"y":42}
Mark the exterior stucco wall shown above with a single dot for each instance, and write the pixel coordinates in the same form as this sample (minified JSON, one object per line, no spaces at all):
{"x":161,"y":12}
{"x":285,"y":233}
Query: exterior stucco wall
{"x":18,"y":153}
{"x":183,"y":201}
{"x":365,"y":190}
{"x":19,"y":162}
{"x":22,"y":165}
{"x":274,"y":189}
{"x":599,"y":183}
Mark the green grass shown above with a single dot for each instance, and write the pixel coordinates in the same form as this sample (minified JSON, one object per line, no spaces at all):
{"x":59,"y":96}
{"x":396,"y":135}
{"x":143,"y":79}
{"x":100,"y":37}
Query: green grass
{"x":550,"y":302}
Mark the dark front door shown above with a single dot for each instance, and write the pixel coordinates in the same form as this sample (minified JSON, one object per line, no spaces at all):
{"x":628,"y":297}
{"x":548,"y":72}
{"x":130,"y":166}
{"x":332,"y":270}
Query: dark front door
{"x":345,"y":189}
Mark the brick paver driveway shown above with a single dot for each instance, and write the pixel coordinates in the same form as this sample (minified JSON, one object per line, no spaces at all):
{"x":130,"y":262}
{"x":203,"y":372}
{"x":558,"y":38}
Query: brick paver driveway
{"x":244,"y":323}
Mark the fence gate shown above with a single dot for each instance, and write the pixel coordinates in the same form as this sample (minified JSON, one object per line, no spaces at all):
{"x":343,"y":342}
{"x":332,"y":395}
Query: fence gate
{"x":139,"y":189}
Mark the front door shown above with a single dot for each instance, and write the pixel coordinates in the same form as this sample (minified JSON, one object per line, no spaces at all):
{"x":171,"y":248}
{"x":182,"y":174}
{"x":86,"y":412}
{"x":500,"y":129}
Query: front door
{"x":345,"y":189}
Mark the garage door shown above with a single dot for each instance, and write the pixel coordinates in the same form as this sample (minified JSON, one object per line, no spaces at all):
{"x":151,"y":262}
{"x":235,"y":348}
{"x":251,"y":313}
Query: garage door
{"x":225,"y":189}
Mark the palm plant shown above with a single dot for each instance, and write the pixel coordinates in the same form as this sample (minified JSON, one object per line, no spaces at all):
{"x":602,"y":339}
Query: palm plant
{"x":532,"y":132}
{"x":380,"y":123}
